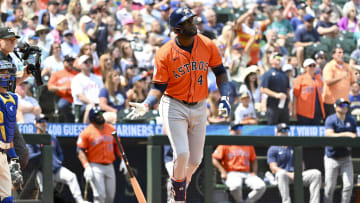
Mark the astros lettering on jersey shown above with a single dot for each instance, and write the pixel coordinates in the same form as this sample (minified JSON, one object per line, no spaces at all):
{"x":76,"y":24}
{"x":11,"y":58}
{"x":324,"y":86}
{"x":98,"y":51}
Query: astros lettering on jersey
{"x":179,"y":68}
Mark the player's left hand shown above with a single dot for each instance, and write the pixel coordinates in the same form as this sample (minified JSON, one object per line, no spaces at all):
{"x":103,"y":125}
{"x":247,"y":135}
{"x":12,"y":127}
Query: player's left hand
{"x":122,"y":167}
{"x":224,"y":106}
{"x":15,"y":171}
{"x":138,"y":110}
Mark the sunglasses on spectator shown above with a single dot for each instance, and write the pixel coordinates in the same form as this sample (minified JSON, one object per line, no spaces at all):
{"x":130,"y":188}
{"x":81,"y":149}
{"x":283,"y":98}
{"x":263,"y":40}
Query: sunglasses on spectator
{"x":88,"y":62}
{"x":29,"y":3}
{"x":343,"y":105}
{"x":312,"y":65}
{"x":221,"y":46}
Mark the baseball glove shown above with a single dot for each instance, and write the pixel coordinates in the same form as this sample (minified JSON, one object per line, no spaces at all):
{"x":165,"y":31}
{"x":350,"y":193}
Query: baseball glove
{"x":15,"y":171}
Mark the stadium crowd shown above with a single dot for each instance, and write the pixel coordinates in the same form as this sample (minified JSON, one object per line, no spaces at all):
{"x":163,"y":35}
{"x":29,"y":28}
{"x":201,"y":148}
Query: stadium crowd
{"x":302,"y":55}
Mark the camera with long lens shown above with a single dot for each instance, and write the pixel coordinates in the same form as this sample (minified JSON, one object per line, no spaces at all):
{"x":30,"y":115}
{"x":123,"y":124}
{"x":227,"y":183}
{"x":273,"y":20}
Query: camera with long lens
{"x":31,"y":56}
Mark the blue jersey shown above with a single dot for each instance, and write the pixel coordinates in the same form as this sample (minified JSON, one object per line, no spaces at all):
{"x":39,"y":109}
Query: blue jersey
{"x":348,"y":125}
{"x":8,"y":108}
{"x":283,"y":156}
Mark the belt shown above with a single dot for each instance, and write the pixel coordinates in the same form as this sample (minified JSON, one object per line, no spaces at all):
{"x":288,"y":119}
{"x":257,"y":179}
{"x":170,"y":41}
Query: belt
{"x":4,"y":151}
{"x":184,"y":102}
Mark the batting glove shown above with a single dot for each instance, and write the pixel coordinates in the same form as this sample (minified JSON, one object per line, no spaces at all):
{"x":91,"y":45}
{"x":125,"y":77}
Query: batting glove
{"x":88,"y":173}
{"x":138,"y":110}
{"x":122,"y":167}
{"x":224,"y":106}
{"x":15,"y":171}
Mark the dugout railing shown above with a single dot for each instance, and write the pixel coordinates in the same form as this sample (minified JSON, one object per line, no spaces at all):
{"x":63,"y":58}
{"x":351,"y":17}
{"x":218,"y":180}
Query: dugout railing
{"x":154,"y":158}
{"x":46,"y":159}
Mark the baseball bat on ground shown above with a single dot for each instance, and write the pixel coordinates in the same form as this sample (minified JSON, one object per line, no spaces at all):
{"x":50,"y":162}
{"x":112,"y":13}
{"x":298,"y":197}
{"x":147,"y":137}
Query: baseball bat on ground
{"x":134,"y":183}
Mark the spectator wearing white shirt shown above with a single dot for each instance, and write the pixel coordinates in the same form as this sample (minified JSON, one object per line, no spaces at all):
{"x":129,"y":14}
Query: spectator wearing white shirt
{"x":28,"y":105}
{"x":68,"y":47}
{"x":245,"y":113}
{"x":85,"y":88}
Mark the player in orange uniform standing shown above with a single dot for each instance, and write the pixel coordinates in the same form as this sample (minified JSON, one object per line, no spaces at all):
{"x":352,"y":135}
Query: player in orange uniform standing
{"x":180,"y":84}
{"x":237,"y":165}
{"x":96,"y":147}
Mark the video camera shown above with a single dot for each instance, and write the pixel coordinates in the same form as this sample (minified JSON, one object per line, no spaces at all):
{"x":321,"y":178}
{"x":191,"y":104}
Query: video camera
{"x":31,"y":56}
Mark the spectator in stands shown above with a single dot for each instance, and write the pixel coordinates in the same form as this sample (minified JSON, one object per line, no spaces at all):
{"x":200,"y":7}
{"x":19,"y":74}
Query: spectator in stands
{"x":125,"y":11}
{"x":336,"y":13}
{"x":139,"y":27}
{"x":90,"y":50}
{"x":54,"y":62}
{"x":245,"y":113}
{"x":32,"y":22}
{"x":60,"y":82}
{"x":213,"y":100}
{"x":127,"y":56}
{"x":53,"y":8}
{"x":28,"y":106}
{"x":352,"y":3}
{"x":282,"y":26}
{"x":44,"y":40}
{"x":324,"y":27}
{"x":280,"y":160}
{"x":30,"y":7}
{"x":74,"y":14}
{"x":212,"y":24}
{"x":85,"y":89}
{"x":60,"y":173}
{"x":239,"y":59}
{"x":44,"y":18}
{"x":112,"y":97}
{"x":338,"y":78}
{"x":354,"y":61}
{"x":237,"y":165}
{"x":164,"y":18}
{"x":275,"y":84}
{"x":80,"y":34}
{"x":310,"y":7}
{"x":337,"y":160}
{"x":60,"y":26}
{"x":307,"y":102}
{"x":106,"y":65}
{"x":97,"y":30}
{"x":252,"y":86}
{"x":320,"y":59}
{"x":349,"y":22}
{"x":68,"y":47}
{"x":299,"y":18}
{"x":138,"y":91}
{"x":354,"y":98}
{"x":149,"y":14}
{"x":305,"y":36}
{"x":245,"y":28}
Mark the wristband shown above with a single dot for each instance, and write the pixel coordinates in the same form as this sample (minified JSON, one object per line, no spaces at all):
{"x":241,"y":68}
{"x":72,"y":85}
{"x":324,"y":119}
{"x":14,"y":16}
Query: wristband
{"x":85,"y":165}
{"x":150,"y":100}
{"x":225,"y":89}
{"x":11,"y":153}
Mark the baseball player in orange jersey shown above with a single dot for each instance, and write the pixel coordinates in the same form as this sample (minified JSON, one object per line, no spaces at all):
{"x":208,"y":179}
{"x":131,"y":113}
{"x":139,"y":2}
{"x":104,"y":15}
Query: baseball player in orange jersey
{"x":96,"y":153}
{"x":180,"y":83}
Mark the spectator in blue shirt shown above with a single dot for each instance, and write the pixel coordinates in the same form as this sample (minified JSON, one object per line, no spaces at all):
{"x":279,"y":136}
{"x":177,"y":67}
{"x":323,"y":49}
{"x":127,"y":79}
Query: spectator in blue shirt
{"x":305,"y":35}
{"x":275,"y":84}
{"x":338,"y":159}
{"x":280,"y":160}
{"x":299,"y":19}
{"x":324,"y":26}
{"x":212,"y":24}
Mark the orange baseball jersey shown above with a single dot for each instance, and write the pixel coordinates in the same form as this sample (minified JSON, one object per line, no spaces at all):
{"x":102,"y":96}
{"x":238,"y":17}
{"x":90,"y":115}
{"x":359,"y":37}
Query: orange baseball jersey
{"x":305,"y":89}
{"x":63,"y":78}
{"x":98,"y":144}
{"x":235,"y":157}
{"x":185,"y":73}
{"x":339,"y":89}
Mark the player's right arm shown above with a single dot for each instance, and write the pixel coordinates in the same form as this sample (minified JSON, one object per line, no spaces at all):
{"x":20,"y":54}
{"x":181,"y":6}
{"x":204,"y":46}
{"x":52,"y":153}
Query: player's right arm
{"x":82,"y":157}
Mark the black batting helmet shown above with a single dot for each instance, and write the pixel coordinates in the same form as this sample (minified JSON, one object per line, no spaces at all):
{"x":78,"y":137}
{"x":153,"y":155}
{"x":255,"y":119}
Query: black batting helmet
{"x":94,"y":112}
{"x":178,"y":16}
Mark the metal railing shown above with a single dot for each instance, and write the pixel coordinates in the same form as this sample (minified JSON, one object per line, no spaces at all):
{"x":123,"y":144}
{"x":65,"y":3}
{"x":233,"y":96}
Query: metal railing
{"x":154,"y":158}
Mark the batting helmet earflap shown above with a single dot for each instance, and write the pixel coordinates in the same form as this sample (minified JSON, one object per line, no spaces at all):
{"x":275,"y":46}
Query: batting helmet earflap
{"x":94,"y":111}
{"x":178,"y":16}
